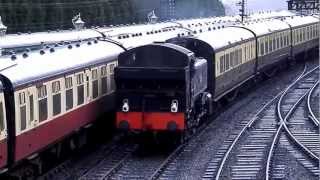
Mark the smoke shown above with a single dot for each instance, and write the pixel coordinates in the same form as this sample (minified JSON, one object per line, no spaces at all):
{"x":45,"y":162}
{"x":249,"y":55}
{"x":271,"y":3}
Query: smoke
{"x":254,"y":5}
{"x":197,"y":8}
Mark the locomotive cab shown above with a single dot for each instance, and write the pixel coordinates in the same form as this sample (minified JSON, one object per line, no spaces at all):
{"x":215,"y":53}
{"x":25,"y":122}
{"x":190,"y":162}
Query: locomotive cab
{"x":157,"y":86}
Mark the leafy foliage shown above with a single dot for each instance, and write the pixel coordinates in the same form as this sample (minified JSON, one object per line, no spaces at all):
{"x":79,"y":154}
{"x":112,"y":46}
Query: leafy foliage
{"x":39,"y":15}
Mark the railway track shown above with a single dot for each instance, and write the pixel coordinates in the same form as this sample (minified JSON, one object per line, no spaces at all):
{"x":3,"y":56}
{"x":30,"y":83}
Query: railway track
{"x":169,"y":167}
{"x":156,"y":167}
{"x":301,"y":131}
{"x":248,"y":154}
{"x":82,"y":165}
{"x":109,"y":165}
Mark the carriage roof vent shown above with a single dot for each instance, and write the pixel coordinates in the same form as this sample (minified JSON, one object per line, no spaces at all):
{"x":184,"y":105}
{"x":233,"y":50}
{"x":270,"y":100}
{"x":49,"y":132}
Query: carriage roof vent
{"x":52,"y":50}
{"x":42,"y":52}
{"x":13,"y":57}
{"x":69,"y":46}
{"x":25,"y":55}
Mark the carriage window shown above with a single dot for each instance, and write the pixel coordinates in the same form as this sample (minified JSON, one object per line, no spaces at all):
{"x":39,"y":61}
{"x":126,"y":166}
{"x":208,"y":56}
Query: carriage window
{"x":69,"y":93}
{"x":42,"y":102}
{"x":236,"y":58}
{"x":274,"y":43}
{"x":266,"y":47}
{"x":249,"y":52}
{"x":22,"y":98}
{"x":80,"y":89}
{"x":23,"y":112}
{"x":300,"y":35}
{"x":246,"y":55}
{"x":56,"y":98}
{"x":104,"y":80}
{"x":112,"y":82}
{"x":95,"y":87}
{"x":310,"y":32}
{"x":262,"y":49}
{"x":240,"y":55}
{"x":252,"y":51}
{"x":278,"y":42}
{"x":281,"y":41}
{"x":31,"y":106}
{"x":231,"y":59}
{"x":221,"y":64}
{"x":227,"y":61}
{"x":1,"y":117}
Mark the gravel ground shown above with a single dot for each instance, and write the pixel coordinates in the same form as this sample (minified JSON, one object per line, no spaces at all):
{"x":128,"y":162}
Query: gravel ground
{"x":223,"y":126}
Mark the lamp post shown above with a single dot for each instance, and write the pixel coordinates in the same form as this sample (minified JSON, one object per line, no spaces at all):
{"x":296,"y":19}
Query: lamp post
{"x":152,"y":18}
{"x":77,"y":22}
{"x":3,"y":28}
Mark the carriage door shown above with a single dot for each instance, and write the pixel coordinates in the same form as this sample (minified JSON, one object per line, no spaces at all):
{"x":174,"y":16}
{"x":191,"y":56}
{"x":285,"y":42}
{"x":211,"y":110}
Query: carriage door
{"x":31,"y":95}
{"x":88,"y":86}
{"x":3,"y":131}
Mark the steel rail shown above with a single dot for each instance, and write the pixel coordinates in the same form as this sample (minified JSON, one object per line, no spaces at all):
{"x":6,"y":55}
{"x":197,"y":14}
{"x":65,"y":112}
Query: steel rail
{"x":312,"y":116}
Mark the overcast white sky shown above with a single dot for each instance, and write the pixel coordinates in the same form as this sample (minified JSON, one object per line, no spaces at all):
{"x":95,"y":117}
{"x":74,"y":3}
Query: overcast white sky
{"x":258,"y":5}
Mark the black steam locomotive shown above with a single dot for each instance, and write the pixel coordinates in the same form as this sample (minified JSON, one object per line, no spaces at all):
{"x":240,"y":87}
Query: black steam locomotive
{"x":159,"y":87}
